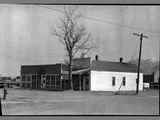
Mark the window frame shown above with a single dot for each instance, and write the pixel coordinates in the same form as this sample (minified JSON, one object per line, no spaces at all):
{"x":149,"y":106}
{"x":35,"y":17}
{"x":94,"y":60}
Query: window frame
{"x":114,"y":81}
{"x":124,"y":81}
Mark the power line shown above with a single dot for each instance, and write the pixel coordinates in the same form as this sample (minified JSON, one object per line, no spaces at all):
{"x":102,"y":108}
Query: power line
{"x":109,"y":22}
{"x":53,"y":9}
{"x":156,"y":33}
{"x":121,"y":25}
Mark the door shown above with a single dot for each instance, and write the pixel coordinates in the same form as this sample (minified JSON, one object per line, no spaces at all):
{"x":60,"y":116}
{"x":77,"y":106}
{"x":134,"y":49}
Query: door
{"x":43,"y":81}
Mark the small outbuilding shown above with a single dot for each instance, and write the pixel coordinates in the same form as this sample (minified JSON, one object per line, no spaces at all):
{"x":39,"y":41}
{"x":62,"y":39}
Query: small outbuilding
{"x":156,"y":82}
{"x":114,"y":76}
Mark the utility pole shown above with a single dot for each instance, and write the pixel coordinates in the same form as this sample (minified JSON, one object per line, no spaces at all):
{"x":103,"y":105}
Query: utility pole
{"x":139,"y":60}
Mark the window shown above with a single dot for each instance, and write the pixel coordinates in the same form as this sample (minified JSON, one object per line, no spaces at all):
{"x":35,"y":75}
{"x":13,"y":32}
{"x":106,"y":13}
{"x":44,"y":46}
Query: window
{"x":23,"y":77}
{"x":53,"y":82}
{"x":113,"y":81}
{"x":23,"y":85}
{"x":124,"y":81}
{"x":28,"y":85}
{"x":48,"y":79}
{"x":33,"y":77}
{"x":28,"y":78}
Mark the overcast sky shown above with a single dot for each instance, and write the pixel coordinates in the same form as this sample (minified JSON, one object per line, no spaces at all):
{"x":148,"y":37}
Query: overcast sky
{"x":26,"y":34}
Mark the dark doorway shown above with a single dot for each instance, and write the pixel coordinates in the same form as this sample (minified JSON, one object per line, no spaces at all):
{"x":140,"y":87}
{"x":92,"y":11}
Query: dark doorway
{"x":81,"y":82}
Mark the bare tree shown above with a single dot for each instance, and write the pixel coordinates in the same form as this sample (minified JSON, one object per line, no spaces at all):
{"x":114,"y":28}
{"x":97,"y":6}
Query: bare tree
{"x":73,"y":35}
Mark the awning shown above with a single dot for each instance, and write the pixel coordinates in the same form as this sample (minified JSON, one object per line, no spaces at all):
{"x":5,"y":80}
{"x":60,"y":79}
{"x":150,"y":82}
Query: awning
{"x":81,"y":71}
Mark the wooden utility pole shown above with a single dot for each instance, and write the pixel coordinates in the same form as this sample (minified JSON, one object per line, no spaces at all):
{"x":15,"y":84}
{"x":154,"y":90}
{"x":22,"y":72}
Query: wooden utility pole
{"x":139,"y":60}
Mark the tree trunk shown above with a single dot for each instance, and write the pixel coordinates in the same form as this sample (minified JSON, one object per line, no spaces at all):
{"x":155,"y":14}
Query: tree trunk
{"x":70,"y":71}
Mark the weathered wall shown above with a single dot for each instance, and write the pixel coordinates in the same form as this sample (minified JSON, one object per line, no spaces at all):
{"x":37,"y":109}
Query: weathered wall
{"x":41,"y":69}
{"x":102,"y":81}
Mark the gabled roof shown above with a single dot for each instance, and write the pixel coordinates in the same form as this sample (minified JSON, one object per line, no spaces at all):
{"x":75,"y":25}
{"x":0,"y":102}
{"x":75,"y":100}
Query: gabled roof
{"x":113,"y":66}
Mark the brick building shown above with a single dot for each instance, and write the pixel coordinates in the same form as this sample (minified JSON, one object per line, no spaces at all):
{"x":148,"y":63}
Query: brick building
{"x":51,"y":77}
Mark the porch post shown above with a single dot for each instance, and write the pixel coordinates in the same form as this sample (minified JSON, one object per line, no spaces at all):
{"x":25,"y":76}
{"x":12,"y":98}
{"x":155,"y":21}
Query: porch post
{"x":80,"y":82}
{"x":36,"y":81}
{"x":60,"y":83}
{"x":84,"y":83}
{"x":55,"y":81}
{"x":31,"y":81}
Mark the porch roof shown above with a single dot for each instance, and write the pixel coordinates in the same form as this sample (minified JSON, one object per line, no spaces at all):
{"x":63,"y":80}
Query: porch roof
{"x":80,"y":71}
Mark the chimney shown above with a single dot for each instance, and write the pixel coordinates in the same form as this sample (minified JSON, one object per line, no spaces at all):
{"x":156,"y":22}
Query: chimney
{"x":120,"y":59}
{"x":96,"y":57}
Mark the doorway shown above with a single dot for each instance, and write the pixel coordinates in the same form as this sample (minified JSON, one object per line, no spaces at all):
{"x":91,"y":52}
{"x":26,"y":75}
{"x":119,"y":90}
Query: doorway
{"x":43,"y":81}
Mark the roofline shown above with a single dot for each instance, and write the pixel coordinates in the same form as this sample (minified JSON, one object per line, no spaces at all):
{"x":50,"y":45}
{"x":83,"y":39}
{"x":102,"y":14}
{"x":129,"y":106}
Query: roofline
{"x":115,"y":71}
{"x":44,"y":64}
{"x":82,"y":58}
{"x":113,"y":62}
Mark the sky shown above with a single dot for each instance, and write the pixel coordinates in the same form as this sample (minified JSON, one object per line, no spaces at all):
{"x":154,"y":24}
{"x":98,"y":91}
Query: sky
{"x":26,"y":34}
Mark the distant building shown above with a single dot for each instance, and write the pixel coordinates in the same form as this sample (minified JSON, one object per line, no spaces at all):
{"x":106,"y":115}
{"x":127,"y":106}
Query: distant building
{"x":93,"y":75}
{"x":156,"y":80}
{"x":152,"y":79}
{"x":5,"y":81}
{"x":148,"y":78}
{"x":156,"y":75}
{"x":15,"y":82}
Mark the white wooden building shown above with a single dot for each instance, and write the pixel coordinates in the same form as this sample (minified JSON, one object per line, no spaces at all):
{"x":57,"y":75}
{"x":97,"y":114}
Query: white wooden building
{"x":114,"y":76}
